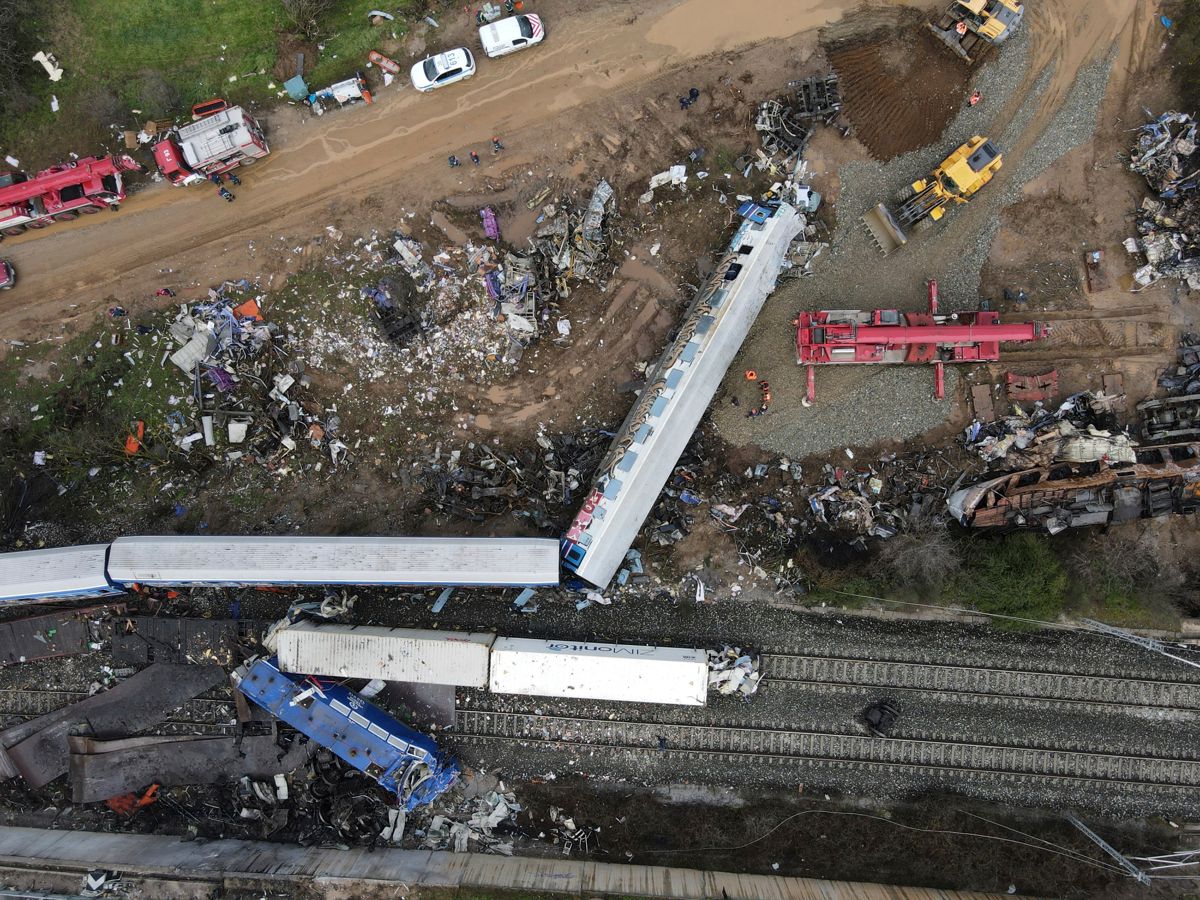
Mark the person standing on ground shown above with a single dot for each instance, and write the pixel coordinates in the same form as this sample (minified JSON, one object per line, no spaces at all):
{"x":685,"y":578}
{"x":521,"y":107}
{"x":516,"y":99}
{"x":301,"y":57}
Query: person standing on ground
{"x":474,"y":157}
{"x":496,"y":146}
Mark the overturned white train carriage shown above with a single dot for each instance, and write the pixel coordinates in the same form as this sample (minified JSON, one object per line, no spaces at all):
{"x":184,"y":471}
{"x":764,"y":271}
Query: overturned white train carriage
{"x":97,"y":570}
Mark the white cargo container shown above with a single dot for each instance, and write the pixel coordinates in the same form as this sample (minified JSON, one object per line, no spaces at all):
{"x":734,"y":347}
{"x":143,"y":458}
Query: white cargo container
{"x":393,"y":654}
{"x":594,"y":671}
{"x":55,"y":574}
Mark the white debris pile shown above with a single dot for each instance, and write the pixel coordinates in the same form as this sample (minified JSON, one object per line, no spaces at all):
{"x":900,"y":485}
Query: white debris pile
{"x":734,"y":671}
{"x":476,"y":822}
{"x":571,"y":837}
{"x":459,"y":336}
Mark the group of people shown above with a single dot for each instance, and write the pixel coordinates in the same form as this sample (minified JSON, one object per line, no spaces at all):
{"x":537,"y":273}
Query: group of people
{"x":692,"y":96}
{"x":218,"y":179}
{"x":496,"y":148}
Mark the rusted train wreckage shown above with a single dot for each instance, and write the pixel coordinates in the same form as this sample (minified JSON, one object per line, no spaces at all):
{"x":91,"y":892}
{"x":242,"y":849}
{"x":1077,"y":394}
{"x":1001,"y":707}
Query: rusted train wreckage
{"x":1161,"y":480}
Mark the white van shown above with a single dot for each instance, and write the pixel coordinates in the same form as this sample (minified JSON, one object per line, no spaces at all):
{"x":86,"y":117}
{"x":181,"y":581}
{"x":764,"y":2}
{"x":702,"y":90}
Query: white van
{"x":511,"y":34}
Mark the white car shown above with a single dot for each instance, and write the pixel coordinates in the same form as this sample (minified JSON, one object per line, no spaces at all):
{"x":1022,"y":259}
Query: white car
{"x":511,"y":34}
{"x":445,"y":68}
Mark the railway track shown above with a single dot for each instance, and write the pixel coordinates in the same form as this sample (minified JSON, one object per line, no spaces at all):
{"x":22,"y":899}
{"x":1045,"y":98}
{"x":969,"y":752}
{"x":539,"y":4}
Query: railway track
{"x":743,"y":746}
{"x":1012,"y":685}
{"x":204,"y":715}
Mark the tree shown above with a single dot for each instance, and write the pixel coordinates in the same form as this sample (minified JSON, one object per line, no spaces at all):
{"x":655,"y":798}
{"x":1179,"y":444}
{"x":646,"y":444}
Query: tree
{"x":306,"y":13}
{"x":16,"y":48}
{"x":923,"y":561}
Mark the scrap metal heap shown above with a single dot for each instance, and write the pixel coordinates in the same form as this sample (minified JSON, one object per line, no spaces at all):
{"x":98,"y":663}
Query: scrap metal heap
{"x":1169,"y":226}
{"x":1082,"y":429}
{"x":540,"y":484}
{"x":1176,"y":416}
{"x":246,"y":387}
{"x":786,"y":124}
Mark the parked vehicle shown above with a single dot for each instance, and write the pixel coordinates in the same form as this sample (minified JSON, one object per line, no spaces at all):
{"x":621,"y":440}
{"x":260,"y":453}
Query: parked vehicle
{"x":443,"y":69}
{"x":510,"y":35}
{"x":351,"y":90}
{"x":8,"y":275}
{"x":63,"y":192}
{"x":223,"y":137}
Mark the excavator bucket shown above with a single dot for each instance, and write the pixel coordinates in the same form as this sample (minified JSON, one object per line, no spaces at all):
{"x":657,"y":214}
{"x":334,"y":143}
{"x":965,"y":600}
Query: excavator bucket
{"x":884,"y":229}
{"x":947,"y":35}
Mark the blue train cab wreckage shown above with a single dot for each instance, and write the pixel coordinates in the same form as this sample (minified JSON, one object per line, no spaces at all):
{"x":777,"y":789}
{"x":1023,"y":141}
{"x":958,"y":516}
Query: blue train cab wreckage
{"x":401,"y":759}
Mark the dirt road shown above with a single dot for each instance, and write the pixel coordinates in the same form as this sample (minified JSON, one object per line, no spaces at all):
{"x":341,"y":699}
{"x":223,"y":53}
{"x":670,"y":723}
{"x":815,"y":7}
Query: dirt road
{"x":375,"y":161}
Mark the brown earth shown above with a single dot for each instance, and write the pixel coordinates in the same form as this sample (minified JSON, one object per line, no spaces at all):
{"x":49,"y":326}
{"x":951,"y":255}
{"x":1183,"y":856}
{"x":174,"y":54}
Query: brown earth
{"x":900,"y":86}
{"x":392,"y":153}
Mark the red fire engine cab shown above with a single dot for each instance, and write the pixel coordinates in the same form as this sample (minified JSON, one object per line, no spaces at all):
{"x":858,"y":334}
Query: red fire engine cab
{"x":221,"y":138}
{"x":889,"y":336}
{"x":61,"y":193}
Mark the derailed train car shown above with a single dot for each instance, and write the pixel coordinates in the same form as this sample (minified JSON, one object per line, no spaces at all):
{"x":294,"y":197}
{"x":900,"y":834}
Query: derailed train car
{"x":97,"y":570}
{"x":1160,"y":480}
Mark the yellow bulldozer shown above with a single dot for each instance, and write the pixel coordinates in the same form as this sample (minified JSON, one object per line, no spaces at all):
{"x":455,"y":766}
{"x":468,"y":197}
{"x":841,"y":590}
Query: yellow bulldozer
{"x":924,"y":202}
{"x":971,"y":27}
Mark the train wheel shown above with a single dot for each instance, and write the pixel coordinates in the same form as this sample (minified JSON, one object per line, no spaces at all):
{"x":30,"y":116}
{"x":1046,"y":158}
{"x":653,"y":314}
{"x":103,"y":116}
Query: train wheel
{"x":88,"y":210}
{"x":38,"y":223}
{"x":13,"y":231}
{"x":66,"y":217}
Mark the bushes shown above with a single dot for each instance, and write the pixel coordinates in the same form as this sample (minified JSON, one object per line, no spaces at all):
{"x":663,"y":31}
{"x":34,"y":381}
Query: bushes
{"x":1016,"y":575}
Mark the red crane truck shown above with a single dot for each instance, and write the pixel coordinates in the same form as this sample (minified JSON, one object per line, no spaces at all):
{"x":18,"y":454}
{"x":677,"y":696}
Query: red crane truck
{"x":223,"y":137}
{"x":62,"y":192}
{"x":889,"y":336}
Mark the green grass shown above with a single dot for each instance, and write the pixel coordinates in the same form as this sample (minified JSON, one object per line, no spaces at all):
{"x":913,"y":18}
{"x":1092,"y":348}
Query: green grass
{"x":195,"y":44}
{"x":161,"y":56}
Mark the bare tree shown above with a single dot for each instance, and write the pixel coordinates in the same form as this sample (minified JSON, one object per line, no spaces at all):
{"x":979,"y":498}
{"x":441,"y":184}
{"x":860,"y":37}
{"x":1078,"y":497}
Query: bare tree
{"x":923,"y":560}
{"x":306,"y":13}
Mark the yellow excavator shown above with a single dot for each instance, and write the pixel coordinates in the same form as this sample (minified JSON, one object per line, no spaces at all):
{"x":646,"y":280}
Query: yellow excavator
{"x":971,"y":27}
{"x":924,"y":202}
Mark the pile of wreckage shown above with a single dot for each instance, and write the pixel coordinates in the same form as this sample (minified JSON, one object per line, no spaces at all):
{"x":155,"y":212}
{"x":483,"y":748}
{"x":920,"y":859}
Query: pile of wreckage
{"x":1073,"y":468}
{"x":769,"y":510}
{"x":541,"y":484}
{"x":1081,"y":429}
{"x":734,"y":671}
{"x":1169,"y":226}
{"x":524,"y":287}
{"x":786,"y":124}
{"x":1177,"y":416}
{"x":246,"y":389}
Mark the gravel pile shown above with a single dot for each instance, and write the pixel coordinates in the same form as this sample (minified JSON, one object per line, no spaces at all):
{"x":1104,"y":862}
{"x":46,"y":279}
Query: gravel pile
{"x":873,"y":405}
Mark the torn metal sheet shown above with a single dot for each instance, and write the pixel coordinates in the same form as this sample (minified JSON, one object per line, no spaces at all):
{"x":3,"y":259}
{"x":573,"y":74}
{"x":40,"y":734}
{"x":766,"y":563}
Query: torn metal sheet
{"x":103,"y":769}
{"x":37,"y":749}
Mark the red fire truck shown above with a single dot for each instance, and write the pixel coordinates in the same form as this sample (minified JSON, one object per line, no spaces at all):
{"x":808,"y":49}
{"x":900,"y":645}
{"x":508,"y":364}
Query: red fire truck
{"x":223,"y":137}
{"x":62,"y":192}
